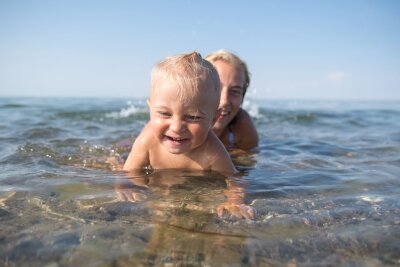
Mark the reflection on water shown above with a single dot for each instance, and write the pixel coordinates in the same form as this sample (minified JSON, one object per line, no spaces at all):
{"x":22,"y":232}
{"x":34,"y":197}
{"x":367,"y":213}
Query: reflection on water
{"x":325,"y":186}
{"x":84,"y":222}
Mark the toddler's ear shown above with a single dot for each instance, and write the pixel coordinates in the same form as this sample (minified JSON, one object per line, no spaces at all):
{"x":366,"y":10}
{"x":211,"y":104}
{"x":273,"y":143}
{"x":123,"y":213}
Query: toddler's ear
{"x":148,"y":103}
{"x":217,"y":115}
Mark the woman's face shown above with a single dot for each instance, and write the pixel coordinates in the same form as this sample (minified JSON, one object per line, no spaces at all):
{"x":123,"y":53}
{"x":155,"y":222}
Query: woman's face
{"x":232,"y":80}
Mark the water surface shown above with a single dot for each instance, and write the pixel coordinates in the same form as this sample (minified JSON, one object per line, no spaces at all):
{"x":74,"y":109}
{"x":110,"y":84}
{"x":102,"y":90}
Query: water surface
{"x":324,"y":183}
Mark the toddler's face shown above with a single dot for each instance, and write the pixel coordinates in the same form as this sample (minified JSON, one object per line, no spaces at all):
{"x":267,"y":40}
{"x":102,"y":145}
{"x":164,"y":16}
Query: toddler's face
{"x":181,"y":124}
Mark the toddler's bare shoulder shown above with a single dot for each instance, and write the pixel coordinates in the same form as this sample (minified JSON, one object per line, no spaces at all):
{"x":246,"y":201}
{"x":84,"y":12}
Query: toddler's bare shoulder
{"x":145,"y":138}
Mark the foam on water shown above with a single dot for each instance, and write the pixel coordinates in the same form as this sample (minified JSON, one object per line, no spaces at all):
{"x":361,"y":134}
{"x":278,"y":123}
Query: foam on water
{"x":252,"y":108}
{"x":131,"y":109}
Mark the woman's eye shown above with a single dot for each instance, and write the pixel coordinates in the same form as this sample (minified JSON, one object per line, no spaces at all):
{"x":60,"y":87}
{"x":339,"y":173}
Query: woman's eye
{"x":236,"y":92}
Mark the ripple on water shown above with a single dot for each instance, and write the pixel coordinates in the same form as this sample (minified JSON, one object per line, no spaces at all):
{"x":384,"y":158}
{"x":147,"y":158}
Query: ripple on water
{"x":42,"y":133}
{"x":12,"y":106}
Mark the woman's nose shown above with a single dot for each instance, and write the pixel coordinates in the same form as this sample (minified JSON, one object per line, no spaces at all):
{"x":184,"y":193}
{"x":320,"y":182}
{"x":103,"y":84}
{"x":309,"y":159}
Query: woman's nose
{"x":224,"y":100}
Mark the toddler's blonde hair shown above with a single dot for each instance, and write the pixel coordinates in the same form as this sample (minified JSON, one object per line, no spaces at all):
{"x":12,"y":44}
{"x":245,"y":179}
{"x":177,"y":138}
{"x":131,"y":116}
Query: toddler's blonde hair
{"x":190,"y":72}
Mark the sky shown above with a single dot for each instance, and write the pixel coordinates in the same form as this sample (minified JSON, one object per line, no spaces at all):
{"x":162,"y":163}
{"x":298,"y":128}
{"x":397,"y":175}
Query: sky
{"x":299,"y":49}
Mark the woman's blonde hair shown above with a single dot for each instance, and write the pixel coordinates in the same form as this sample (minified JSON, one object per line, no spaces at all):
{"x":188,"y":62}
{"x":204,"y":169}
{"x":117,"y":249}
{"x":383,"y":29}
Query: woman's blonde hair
{"x":231,"y":58}
{"x":189,"y":71}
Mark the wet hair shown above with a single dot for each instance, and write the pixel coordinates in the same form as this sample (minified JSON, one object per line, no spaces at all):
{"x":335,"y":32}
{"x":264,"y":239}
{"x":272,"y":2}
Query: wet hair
{"x":231,"y":58}
{"x":190,"y":72}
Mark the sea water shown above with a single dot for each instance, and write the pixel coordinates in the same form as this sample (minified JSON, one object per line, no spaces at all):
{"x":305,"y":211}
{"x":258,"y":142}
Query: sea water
{"x":324,"y":182}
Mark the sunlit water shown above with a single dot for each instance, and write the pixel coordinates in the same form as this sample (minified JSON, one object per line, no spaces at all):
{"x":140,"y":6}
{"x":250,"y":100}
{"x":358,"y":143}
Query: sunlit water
{"x":325,"y":185}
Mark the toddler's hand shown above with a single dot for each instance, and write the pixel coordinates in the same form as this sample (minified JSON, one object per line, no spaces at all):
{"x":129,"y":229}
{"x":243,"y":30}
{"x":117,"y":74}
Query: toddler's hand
{"x":130,"y":195}
{"x":237,"y":210}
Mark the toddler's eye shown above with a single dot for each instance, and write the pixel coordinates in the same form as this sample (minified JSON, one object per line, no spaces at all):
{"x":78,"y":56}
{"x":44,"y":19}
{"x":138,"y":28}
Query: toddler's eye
{"x":163,"y":114}
{"x":193,"y":118}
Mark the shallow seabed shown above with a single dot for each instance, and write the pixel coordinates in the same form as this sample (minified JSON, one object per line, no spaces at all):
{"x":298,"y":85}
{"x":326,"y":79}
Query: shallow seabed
{"x":325,"y":184}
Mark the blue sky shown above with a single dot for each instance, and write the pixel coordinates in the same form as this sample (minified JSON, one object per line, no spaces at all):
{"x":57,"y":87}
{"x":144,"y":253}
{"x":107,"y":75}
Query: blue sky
{"x":315,"y":49}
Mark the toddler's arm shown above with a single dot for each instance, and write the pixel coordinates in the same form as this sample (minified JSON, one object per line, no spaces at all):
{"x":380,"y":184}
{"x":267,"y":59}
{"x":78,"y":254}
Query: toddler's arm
{"x":139,"y":156}
{"x":235,"y":192}
{"x":220,"y":158}
{"x":235,"y":204}
{"x":131,"y":190}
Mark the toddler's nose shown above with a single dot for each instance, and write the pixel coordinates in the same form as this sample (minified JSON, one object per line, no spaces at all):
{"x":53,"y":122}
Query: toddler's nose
{"x":177,"y":126}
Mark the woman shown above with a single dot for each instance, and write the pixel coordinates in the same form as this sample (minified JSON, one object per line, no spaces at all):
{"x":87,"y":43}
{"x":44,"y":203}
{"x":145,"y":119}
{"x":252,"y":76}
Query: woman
{"x":234,"y":126}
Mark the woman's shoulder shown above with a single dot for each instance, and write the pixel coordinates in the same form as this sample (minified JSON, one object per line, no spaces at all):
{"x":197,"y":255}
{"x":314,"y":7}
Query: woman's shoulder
{"x":245,"y":132}
{"x":244,"y":115}
{"x":242,"y":119}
